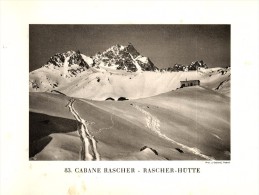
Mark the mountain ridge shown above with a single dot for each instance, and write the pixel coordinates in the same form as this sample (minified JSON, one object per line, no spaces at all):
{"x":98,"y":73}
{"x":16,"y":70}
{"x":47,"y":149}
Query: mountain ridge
{"x":117,"y":57}
{"x":119,"y":71}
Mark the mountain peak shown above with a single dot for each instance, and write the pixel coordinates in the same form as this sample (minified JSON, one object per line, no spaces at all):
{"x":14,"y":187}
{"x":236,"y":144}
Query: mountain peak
{"x":70,"y":63}
{"x":117,"y":57}
{"x":123,"y":58}
{"x":70,"y":57}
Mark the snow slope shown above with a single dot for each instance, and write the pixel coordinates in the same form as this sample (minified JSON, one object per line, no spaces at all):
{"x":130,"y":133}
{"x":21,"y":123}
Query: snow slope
{"x":100,"y":85}
{"x":193,"y":120}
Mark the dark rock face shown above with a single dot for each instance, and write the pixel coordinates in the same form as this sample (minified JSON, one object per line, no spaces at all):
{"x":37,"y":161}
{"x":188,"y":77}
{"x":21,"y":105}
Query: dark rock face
{"x":179,"y":150}
{"x":153,"y":150}
{"x":58,"y":59}
{"x":124,"y":58}
{"x":131,"y":49}
{"x":73,"y":58}
{"x":77,"y":59}
{"x":176,"y":67}
{"x":68,"y":59}
{"x":192,"y":67}
{"x":149,"y":66}
{"x":110,"y":98}
{"x":122,"y":99}
{"x":196,"y":65}
{"x":117,"y":57}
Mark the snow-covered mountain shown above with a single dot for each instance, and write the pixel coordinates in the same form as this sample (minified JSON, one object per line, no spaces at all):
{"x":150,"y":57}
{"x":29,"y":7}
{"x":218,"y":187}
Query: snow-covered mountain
{"x":123,"y":58}
{"x":195,"y":65}
{"x":59,"y":70}
{"x":120,"y":71}
{"x":69,"y":63}
{"x":63,"y":68}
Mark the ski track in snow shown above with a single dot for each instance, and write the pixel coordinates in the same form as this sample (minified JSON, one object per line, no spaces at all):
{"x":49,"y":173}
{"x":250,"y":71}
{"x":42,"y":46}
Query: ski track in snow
{"x":153,"y":124}
{"x":104,"y":128}
{"x":216,"y":136}
{"x":88,"y":141}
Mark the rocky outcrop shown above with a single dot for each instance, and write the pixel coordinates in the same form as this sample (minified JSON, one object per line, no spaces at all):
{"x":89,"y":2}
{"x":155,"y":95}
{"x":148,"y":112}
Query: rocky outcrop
{"x":123,"y":58}
{"x":196,"y":65}
{"x":72,"y":58}
{"x":145,"y":148}
{"x":122,"y":99}
{"x":109,"y":98}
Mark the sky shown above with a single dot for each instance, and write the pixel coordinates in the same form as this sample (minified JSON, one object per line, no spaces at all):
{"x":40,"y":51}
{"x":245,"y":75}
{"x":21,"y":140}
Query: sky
{"x":165,"y":45}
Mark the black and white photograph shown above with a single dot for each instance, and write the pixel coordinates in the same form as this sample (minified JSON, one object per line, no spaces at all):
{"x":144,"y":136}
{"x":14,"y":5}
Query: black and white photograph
{"x":129,"y":97}
{"x":129,"y":92}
